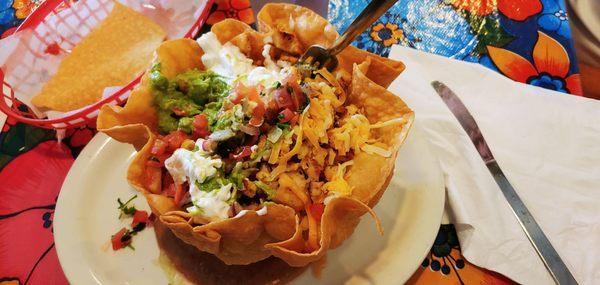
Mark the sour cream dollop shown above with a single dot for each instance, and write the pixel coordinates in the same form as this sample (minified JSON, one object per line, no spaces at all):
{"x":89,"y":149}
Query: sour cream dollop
{"x":211,"y":205}
{"x":191,"y":166}
{"x":196,"y":167}
{"x":228,"y":61}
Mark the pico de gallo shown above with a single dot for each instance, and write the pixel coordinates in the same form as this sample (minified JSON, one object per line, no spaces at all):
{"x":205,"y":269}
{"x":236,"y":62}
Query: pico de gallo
{"x":141,"y":219}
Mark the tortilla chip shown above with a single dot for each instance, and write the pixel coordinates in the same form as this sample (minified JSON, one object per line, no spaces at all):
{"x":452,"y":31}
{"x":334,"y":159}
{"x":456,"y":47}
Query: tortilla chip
{"x":251,"y":237}
{"x":113,"y":54}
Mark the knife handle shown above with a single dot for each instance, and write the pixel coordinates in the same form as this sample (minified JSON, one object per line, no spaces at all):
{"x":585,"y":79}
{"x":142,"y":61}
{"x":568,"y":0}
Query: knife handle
{"x":536,"y":236}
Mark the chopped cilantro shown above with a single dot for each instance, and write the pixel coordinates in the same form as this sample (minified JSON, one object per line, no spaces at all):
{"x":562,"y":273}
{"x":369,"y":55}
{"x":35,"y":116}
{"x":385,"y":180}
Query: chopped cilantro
{"x":124,"y":209}
{"x":283,"y":126}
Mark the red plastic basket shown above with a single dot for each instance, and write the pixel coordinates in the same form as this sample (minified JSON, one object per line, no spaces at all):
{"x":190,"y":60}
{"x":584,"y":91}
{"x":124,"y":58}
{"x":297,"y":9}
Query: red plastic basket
{"x":14,"y":109}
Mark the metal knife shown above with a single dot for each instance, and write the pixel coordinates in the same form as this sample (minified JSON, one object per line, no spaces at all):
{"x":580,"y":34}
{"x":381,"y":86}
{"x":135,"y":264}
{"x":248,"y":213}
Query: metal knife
{"x":536,"y":236}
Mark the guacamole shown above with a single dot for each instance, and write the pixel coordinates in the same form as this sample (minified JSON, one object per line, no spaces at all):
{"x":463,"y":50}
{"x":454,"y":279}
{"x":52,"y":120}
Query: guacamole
{"x":181,"y":98}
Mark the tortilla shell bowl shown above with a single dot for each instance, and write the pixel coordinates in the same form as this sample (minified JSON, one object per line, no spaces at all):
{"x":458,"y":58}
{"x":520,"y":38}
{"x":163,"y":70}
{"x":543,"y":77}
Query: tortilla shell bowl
{"x":251,"y":237}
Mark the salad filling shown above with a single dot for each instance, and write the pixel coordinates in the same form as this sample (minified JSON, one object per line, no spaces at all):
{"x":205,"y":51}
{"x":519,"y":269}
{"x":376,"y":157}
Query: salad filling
{"x":241,"y":134}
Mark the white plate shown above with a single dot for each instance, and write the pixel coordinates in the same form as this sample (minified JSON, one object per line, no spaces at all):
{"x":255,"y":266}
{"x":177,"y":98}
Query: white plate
{"x":86,"y":216}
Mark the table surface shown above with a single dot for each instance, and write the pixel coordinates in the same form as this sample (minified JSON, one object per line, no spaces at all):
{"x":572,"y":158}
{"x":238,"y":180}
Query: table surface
{"x":527,"y":40}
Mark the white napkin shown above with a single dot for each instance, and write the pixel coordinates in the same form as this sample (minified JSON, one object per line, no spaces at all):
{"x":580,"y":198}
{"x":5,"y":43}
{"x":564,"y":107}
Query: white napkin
{"x":547,"y":144}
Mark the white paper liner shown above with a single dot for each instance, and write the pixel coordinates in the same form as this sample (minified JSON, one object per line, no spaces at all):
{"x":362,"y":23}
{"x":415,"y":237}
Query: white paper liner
{"x":27,"y":66}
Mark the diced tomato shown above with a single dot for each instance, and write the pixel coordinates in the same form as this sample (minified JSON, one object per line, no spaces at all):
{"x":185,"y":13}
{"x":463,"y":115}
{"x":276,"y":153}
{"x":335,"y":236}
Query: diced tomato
{"x":159,"y":147}
{"x":256,"y":121}
{"x":295,"y":119}
{"x":179,"y":193}
{"x":291,"y":83}
{"x":200,"y":124}
{"x":283,"y":99}
{"x":253,"y":94}
{"x":272,"y":105}
{"x":242,"y":91}
{"x":153,"y":179}
{"x":237,"y":94}
{"x":120,"y":240}
{"x":245,"y":152}
{"x":286,"y":115}
{"x":139,"y":217}
{"x":201,"y":134}
{"x":179,"y":112}
{"x":174,"y":140}
{"x":316,"y":210}
{"x":200,"y":121}
{"x":259,"y":110}
{"x":236,"y":97}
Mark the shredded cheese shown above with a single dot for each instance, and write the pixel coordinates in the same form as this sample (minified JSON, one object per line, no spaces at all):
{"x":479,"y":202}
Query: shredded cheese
{"x":286,"y":181}
{"x":372,"y":149}
{"x":275,"y":152}
{"x":394,"y":121}
{"x":338,"y":183}
{"x":296,"y":149}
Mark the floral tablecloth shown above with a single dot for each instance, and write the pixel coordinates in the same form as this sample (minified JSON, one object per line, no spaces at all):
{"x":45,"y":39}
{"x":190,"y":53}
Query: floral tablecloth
{"x":526,"y":40}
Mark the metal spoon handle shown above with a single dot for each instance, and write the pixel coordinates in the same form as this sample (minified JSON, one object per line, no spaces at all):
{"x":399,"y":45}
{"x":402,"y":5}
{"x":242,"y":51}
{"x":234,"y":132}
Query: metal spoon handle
{"x":371,"y":13}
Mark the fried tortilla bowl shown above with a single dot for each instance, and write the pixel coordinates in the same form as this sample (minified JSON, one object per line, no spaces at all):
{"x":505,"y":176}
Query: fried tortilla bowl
{"x":281,"y":232}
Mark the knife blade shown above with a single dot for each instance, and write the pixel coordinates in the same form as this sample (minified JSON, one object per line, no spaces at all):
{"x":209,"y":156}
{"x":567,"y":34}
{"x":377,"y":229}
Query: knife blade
{"x":555,"y":265}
